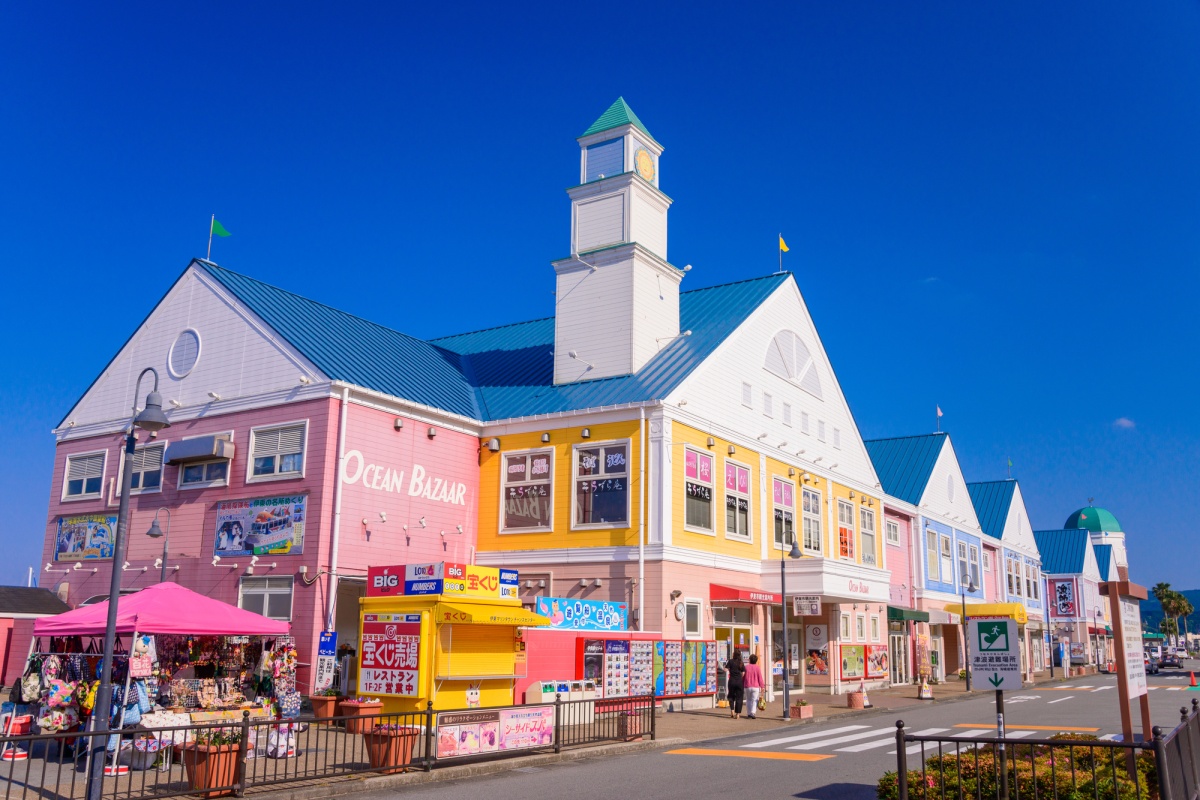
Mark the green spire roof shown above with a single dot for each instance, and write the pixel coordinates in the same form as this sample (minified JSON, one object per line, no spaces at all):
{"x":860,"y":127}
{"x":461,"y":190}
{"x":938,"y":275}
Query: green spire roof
{"x":618,"y":114}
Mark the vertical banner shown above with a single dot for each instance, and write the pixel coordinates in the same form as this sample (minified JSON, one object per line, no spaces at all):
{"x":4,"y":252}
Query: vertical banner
{"x":390,"y":655}
{"x":326,"y":660}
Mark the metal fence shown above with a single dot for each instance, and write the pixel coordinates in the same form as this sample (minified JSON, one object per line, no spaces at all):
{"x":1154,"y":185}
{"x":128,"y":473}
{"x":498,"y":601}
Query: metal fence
{"x":1063,"y":767}
{"x":223,"y":759}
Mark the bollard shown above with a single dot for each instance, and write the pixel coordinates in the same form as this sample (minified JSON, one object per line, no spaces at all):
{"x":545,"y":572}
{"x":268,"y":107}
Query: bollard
{"x":653,"y":718}
{"x":557,"y":722}
{"x":243,"y":749}
{"x":901,"y":762}
{"x":429,"y":753}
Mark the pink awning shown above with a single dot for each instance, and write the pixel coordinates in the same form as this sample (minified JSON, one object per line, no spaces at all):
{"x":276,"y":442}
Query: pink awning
{"x":163,"y":608}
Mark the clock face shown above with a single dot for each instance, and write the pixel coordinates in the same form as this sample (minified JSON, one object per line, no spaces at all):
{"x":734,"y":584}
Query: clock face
{"x":679,"y":611}
{"x":643,"y":162}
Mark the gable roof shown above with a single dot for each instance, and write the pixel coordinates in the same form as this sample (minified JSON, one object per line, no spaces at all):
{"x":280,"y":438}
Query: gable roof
{"x":30,"y":600}
{"x":499,"y":373}
{"x":904,"y":464}
{"x":618,"y":114}
{"x":1064,"y":552}
{"x":1103,"y":558}
{"x":992,"y":500}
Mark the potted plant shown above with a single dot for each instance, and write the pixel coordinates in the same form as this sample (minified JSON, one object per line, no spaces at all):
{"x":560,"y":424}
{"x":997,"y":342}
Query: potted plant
{"x":390,"y":747}
{"x":211,"y":760}
{"x":629,"y":725}
{"x":325,"y":702}
{"x":358,"y":711}
{"x":800,"y":709}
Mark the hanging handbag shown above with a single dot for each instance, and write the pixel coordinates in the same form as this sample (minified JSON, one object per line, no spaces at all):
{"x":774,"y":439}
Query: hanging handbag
{"x":143,"y":698}
{"x":60,"y":694}
{"x":289,"y":705}
{"x":31,"y":687}
{"x":762,"y":703}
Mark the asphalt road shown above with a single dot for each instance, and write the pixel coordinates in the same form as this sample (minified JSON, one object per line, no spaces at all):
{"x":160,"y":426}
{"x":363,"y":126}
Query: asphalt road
{"x":836,"y":760}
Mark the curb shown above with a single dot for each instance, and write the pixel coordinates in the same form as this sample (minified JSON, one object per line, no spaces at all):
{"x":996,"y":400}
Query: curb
{"x":351,"y":785}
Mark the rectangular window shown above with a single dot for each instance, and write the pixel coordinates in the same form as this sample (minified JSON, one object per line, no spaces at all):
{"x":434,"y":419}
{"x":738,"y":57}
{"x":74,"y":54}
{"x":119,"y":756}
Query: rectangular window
{"x":1016,"y":577}
{"x":947,"y":561}
{"x":987,"y":561}
{"x":975,"y":576}
{"x":787,"y":414}
{"x":821,"y":429}
{"x":768,"y":405}
{"x":271,"y":597}
{"x":891,"y":531}
{"x":860,"y":628}
{"x":200,"y":474}
{"x":837,"y":439}
{"x":147,"y":468}
{"x":527,"y":489}
{"x":874,"y":629}
{"x":737,"y":500}
{"x":691,"y":617}
{"x":866,"y":524}
{"x":804,"y":422}
{"x":845,"y":626}
{"x":747,"y":396}
{"x":931,"y":554}
{"x":962,"y":561}
{"x":85,"y":476}
{"x":811,"y":509}
{"x":1037,"y":583}
{"x":1029,"y":581}
{"x":845,"y":529}
{"x":698,"y":490}
{"x":602,"y":485}
{"x":783,"y":494}
{"x":277,"y":452}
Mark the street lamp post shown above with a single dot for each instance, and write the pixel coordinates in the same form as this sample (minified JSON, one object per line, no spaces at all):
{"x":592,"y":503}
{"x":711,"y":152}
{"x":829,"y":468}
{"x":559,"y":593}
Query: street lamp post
{"x":966,"y":585}
{"x":1096,"y":617}
{"x":154,"y":533}
{"x":793,"y":553}
{"x":151,"y":418}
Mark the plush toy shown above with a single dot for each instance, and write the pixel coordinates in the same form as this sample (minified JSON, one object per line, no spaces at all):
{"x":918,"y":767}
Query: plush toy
{"x":141,"y":657}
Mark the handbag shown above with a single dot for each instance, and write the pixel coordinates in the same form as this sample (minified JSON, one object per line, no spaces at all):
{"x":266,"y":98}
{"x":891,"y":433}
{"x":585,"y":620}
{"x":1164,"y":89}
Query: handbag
{"x":289,"y":705}
{"x":60,"y":694}
{"x":31,"y":687}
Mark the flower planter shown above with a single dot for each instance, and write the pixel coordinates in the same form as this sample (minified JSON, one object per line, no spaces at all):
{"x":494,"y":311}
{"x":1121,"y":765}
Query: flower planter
{"x":629,"y":726}
{"x":856,"y":700}
{"x":324,"y":706}
{"x":391,"y":750}
{"x":800,"y":712}
{"x":211,"y":765}
{"x":351,"y":710}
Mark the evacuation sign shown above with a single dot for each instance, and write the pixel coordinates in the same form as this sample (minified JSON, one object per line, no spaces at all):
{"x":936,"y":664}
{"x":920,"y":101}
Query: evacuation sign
{"x":995,"y":652}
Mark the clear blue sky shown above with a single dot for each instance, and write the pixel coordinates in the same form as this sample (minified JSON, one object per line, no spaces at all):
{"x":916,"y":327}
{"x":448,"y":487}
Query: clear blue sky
{"x":990,"y":207}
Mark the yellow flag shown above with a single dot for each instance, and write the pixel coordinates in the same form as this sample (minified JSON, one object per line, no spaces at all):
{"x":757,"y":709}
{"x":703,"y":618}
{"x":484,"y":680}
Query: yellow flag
{"x":783,"y":248}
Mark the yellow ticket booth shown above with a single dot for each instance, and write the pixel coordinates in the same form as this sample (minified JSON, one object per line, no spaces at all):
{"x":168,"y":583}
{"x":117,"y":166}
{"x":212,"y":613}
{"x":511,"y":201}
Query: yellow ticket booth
{"x":446,"y":633}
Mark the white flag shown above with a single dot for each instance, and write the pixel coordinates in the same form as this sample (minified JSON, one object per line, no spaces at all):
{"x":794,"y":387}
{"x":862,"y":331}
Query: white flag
{"x":939,"y":410}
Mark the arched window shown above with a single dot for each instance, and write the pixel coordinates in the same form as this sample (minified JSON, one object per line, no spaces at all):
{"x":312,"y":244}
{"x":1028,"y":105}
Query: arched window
{"x":789,"y":358}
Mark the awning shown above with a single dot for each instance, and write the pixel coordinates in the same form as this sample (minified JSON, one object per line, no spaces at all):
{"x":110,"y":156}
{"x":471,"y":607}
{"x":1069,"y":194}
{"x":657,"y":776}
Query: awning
{"x":484,"y":614}
{"x":199,"y":448}
{"x":736,"y":594}
{"x":1015,"y":610}
{"x":1105,"y":631}
{"x":1154,"y":635}
{"x":906,"y":614}
{"x":942,"y":618}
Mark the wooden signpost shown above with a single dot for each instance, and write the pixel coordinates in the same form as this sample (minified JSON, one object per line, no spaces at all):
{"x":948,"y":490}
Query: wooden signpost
{"x":1124,"y":598}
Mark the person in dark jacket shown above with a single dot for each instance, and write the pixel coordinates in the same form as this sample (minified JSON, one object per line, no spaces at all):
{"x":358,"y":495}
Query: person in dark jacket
{"x":735,"y":672}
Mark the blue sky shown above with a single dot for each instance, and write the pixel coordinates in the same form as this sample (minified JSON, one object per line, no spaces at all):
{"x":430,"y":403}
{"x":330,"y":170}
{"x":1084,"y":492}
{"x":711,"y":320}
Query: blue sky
{"x":991,"y":208}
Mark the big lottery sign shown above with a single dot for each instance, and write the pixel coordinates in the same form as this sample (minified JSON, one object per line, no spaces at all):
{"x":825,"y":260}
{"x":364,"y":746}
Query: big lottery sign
{"x":583,"y":615}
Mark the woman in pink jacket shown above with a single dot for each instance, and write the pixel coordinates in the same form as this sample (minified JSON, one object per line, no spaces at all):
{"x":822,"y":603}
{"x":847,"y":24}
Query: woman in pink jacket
{"x":754,"y":684}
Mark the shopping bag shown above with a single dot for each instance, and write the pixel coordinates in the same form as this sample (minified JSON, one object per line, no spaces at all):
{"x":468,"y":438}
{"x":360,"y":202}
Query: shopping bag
{"x":281,"y":742}
{"x":762,"y":703}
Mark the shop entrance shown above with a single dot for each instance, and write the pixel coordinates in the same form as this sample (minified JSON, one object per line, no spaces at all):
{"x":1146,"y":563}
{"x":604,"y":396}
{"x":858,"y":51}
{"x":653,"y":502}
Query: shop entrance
{"x":346,"y":618}
{"x":898,"y":653}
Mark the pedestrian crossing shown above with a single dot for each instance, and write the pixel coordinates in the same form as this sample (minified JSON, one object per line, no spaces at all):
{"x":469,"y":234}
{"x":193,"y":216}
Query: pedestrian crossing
{"x":862,"y":738}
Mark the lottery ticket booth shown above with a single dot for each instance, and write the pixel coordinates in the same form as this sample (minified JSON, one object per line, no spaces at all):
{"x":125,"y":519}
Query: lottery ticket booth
{"x":446,"y":633}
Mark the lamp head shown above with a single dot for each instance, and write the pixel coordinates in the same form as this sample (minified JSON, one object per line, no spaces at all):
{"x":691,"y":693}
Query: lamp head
{"x":795,"y":551}
{"x":155,"y":531}
{"x":152,"y":417}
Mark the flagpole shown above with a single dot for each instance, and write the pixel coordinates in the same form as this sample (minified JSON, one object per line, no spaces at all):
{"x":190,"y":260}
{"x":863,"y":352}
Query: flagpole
{"x":939,"y":419}
{"x":208,"y":255}
{"x":781,"y":251}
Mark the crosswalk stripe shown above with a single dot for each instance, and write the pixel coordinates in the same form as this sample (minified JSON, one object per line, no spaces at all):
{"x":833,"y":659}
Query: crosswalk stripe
{"x":804,"y":736}
{"x":858,"y":748}
{"x":1019,"y":734}
{"x":1174,"y":688}
{"x":1083,"y":686}
{"x":1112,"y":737}
{"x":1102,"y":688}
{"x":848,"y":738}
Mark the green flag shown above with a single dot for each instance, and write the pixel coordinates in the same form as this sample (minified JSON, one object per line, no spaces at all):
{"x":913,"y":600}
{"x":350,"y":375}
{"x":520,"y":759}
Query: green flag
{"x":218,"y":229}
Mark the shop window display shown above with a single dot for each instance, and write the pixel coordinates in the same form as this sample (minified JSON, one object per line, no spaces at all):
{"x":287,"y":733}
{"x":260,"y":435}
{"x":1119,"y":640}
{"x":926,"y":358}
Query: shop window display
{"x":527,"y":490}
{"x":602,"y":485}
{"x":737,"y":500}
{"x":698,"y":490}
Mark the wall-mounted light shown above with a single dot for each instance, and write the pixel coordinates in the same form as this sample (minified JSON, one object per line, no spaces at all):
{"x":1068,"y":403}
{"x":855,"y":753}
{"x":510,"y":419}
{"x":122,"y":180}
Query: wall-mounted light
{"x":806,"y":477}
{"x":176,"y":403}
{"x":541,"y":584}
{"x":432,"y":432}
{"x":818,"y":458}
{"x":305,"y":380}
{"x":583,"y":582}
{"x":528,"y":584}
{"x":782,"y":444}
{"x":494,"y":445}
{"x":762,"y":436}
{"x":732,"y":450}
{"x":676,"y":593}
{"x":458,"y":528}
{"x":851,"y":491}
{"x":214,"y":395}
{"x":833,"y":465}
{"x":598,"y":583}
{"x":586,"y":433}
{"x":421,"y":522}
{"x":574,"y":356}
{"x":870,"y":502}
{"x":791,"y":472}
{"x":398,"y":424}
{"x":545,"y":438}
{"x":711,"y":442}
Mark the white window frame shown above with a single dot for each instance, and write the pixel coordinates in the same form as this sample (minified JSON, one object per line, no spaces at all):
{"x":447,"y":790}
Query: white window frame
{"x":853,"y":539}
{"x":711,"y":530}
{"x":768,"y":405}
{"x":845,"y":627}
{"x":865,"y":514}
{"x":179,"y":482}
{"x":782,"y":543}
{"x":961,"y":560}
{"x":291,"y":592}
{"x":276,"y":476}
{"x":162,"y":467}
{"x":747,"y":395}
{"x":804,"y":422}
{"x":504,"y":484}
{"x":1037,"y":582}
{"x":891,"y":531}
{"x":947,"y":556}
{"x":837,"y":439}
{"x":1029,"y":581}
{"x":860,"y":627}
{"x":75,"y":498}
{"x":748,"y":496}
{"x":974,"y":569}
{"x":787,"y":414}
{"x":813,"y":517}
{"x":594,"y":526}
{"x":987,"y":561}
{"x":874,"y":627}
{"x":820,"y":430}
{"x":933,"y":555}
{"x":698,"y":604}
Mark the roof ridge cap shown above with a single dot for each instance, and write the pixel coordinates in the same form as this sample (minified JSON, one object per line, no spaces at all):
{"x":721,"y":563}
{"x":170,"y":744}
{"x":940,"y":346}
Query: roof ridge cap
{"x":485,"y":330}
{"x":784,"y":274}
{"x":910,"y":436}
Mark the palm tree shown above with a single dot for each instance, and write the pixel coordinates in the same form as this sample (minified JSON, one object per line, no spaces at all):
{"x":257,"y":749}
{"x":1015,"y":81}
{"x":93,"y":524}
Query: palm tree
{"x":1160,"y":591}
{"x":1185,"y":609}
{"x":1168,"y":626}
{"x":1172,"y":606}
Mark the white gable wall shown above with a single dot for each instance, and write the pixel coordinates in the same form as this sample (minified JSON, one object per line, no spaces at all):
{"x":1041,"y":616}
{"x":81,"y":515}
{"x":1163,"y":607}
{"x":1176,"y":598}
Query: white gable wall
{"x":239,"y":357}
{"x":714,"y":392}
{"x":1091,"y":568}
{"x":938,"y":500}
{"x":1018,"y":534}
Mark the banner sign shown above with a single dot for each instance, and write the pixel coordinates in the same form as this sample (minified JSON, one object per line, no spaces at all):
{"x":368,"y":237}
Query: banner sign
{"x":459,"y":580}
{"x":469,"y":733}
{"x":995,"y":657}
{"x":806,"y":605}
{"x":326,"y":659}
{"x":261,"y":526}
{"x":85,"y":537}
{"x":877,"y":661}
{"x":1062,"y":598}
{"x":466,"y":580}
{"x":390,"y":655}
{"x":583,"y":615}
{"x":385,"y":581}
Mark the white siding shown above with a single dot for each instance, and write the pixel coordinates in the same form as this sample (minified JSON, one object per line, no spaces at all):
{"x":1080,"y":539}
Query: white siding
{"x":593,"y":318}
{"x":599,"y":222}
{"x":1018,"y":533}
{"x":239,"y":355}
{"x":655,"y":308}
{"x":649,"y":223}
{"x":936,"y":500}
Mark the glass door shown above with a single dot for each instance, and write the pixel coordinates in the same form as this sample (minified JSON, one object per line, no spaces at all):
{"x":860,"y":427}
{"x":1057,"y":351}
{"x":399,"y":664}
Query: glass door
{"x":898,"y":654}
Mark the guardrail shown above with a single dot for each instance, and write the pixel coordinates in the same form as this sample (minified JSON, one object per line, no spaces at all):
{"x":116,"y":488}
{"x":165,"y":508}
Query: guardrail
{"x":217,"y":759}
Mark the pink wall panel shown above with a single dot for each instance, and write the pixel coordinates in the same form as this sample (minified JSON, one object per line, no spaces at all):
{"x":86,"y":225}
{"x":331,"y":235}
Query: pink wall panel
{"x":899,"y":564}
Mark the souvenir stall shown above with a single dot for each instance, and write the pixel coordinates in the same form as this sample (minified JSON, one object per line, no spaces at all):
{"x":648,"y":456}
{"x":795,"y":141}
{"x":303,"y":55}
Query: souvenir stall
{"x":183,"y":658}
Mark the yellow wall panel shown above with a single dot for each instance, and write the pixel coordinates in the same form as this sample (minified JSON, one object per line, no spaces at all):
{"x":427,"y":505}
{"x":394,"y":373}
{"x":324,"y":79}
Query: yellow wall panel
{"x":718,"y":541}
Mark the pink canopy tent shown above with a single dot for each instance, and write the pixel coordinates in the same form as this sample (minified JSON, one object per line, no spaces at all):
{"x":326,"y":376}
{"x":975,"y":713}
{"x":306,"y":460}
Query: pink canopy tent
{"x":163,"y":608}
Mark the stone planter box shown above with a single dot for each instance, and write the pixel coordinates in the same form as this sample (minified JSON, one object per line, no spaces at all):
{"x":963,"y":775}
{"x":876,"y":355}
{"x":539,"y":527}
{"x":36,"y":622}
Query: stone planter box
{"x":800,"y":712}
{"x":351,"y":709}
{"x":856,"y":700}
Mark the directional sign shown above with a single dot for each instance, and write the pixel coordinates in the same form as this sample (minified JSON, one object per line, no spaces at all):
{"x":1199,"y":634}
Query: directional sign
{"x":995,"y":652}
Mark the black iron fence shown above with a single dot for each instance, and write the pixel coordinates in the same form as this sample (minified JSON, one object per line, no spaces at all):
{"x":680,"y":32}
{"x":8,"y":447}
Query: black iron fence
{"x":1063,"y":767}
{"x":218,"y":759}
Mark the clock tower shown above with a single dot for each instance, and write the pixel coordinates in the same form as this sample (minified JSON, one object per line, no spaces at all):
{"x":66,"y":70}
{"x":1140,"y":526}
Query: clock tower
{"x":617,"y":299}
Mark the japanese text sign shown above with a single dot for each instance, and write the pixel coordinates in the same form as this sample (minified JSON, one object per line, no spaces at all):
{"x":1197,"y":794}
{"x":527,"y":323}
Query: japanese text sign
{"x":390,"y":656}
{"x":995,"y":653}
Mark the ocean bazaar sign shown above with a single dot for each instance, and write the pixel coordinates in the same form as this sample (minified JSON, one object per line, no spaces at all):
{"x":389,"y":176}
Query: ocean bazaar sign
{"x":380,"y":477}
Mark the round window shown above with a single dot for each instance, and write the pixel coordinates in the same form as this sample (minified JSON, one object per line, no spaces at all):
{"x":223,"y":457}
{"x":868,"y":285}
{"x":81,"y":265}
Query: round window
{"x":185,"y":352}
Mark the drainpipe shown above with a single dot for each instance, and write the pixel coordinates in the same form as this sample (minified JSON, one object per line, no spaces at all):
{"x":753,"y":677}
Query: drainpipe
{"x":642,"y":519}
{"x":337,"y":510}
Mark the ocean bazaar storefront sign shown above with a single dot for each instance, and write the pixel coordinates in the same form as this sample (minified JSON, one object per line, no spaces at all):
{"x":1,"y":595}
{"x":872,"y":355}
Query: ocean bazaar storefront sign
{"x":390,"y":479}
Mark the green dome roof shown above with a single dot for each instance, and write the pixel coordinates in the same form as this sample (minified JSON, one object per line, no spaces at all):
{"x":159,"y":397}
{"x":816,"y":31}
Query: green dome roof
{"x":1093,"y":519}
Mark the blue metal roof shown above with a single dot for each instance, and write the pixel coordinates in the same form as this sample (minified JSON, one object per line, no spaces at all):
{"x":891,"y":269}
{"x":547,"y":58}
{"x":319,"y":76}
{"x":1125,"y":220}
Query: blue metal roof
{"x":992,"y":500}
{"x":1103,"y":558}
{"x":1063,"y":552}
{"x":904,"y":464}
{"x":497,"y":373}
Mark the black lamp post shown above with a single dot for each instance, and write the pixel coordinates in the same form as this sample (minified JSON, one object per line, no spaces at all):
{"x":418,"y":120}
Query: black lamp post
{"x":151,"y":418}
{"x":966,"y":585}
{"x":154,"y":533}
{"x":793,"y":553}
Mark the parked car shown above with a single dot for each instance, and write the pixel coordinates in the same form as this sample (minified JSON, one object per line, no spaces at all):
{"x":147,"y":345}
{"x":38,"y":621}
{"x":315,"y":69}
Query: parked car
{"x":1170,"y":660}
{"x":1151,"y":665}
